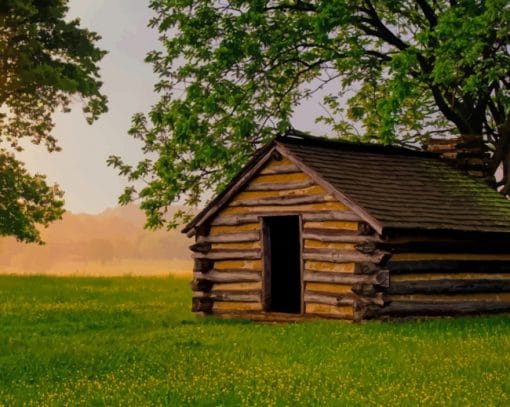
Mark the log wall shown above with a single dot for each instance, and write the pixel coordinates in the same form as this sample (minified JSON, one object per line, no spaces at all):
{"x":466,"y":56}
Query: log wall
{"x":445,"y":277}
{"x":228,"y":275}
{"x":349,"y":272}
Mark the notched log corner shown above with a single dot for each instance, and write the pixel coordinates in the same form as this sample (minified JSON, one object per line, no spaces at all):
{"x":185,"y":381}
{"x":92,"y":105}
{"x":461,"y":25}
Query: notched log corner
{"x":201,"y":247}
{"x":201,"y":285}
{"x":203,"y":265}
{"x":202,"y":304}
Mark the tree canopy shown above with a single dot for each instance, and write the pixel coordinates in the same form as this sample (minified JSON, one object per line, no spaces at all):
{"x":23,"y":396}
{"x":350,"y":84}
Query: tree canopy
{"x":231,"y":74}
{"x":46,"y":63}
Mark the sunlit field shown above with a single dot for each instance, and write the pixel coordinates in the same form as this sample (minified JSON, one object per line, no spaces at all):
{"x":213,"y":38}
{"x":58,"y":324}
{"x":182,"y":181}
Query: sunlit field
{"x":127,"y":267}
{"x":134,"y":341}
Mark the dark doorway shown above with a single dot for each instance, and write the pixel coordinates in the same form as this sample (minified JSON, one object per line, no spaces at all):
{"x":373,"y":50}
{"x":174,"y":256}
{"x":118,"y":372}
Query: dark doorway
{"x":282,"y":264}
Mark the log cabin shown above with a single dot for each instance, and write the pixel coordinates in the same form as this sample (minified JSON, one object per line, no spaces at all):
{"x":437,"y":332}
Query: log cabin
{"x":315,"y":228}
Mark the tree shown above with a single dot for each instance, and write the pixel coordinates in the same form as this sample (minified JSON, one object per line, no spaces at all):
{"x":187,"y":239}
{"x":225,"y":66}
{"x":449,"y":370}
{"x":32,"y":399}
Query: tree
{"x":231,"y":73}
{"x":45,"y":63}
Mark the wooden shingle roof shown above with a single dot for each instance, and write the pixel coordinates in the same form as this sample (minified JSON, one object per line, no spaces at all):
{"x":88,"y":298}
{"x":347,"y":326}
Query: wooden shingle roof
{"x":405,"y":189}
{"x":391,"y":188}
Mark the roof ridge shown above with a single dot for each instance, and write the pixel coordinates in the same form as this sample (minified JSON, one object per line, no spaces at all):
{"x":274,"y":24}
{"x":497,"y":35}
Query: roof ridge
{"x":297,"y":137}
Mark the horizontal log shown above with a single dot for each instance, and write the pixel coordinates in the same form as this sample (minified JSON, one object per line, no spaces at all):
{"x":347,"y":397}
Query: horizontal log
{"x":280,"y":186}
{"x":478,"y":246}
{"x":283,"y":200}
{"x":450,"y":266}
{"x":280,"y":169}
{"x":200,"y":247}
{"x":339,"y":299}
{"x":329,"y":311}
{"x":328,"y":235}
{"x":331,"y":215}
{"x":253,"y":217}
{"x":227,"y":254}
{"x":237,"y":306}
{"x":427,"y":308}
{"x":234,"y":296}
{"x":231,"y":237}
{"x":343,"y":256}
{"x":229,"y":276}
{"x":447,"y":286}
{"x":380,"y":278}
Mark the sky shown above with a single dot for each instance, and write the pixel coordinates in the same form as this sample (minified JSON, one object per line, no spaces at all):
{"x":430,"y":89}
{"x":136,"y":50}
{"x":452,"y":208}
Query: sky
{"x":80,"y":168}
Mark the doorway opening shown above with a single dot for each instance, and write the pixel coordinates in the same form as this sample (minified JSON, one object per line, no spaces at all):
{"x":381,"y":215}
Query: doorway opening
{"x":282,"y":264}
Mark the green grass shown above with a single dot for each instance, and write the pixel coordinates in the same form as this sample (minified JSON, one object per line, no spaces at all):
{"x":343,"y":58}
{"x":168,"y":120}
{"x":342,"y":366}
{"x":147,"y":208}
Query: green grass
{"x":133,"y":341}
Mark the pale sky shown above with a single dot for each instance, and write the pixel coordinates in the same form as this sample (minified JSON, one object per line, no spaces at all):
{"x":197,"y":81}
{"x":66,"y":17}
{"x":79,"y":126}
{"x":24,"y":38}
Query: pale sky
{"x":80,"y":168}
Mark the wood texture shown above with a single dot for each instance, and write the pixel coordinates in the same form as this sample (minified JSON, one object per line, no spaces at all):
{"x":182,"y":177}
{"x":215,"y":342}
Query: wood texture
{"x":232,"y":296}
{"x":452,"y":276}
{"x":280,"y":169}
{"x":344,"y":256}
{"x":229,"y":254}
{"x":329,"y":311}
{"x":283,"y":200}
{"x":229,"y":276}
{"x":449,"y":256}
{"x":450,"y":297}
{"x":447,"y":286}
{"x":237,"y":286}
{"x":316,"y":244}
{"x":280,"y":177}
{"x":236,"y":245}
{"x":380,"y":278}
{"x":444,"y":266}
{"x":328,"y":235}
{"x":425,"y":308}
{"x":235,"y":306}
{"x":238,"y":264}
{"x":331,"y":267}
{"x":281,"y":186}
{"x":218,"y":230}
{"x":328,"y":288}
{"x":336,"y":300}
{"x":326,"y":206}
{"x":279,"y":194}
{"x":335,"y":225}
{"x":250,"y":236}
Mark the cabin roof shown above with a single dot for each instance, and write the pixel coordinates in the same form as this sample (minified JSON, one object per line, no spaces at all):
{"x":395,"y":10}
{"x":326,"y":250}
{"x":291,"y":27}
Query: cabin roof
{"x":391,"y":188}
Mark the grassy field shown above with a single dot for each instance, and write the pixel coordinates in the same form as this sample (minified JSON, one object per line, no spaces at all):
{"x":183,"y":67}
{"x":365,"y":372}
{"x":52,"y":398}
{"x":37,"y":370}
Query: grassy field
{"x":133,"y":341}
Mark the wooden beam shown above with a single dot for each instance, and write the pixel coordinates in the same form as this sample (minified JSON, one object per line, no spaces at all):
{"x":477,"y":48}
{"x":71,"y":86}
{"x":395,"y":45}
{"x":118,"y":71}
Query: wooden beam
{"x":249,"y":236}
{"x":448,"y":246}
{"x":229,"y":276}
{"x":380,"y":278}
{"x":280,"y":169}
{"x":328,"y":235}
{"x":226,"y":254}
{"x":427,"y":308}
{"x":449,"y":266}
{"x":230,"y":296}
{"x":283,"y":200}
{"x":200,"y":247}
{"x":329,"y":311}
{"x":337,"y":300}
{"x":348,"y":216}
{"x":343,"y":256}
{"x":280,"y":186}
{"x":252,"y":217}
{"x":446,"y":286}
